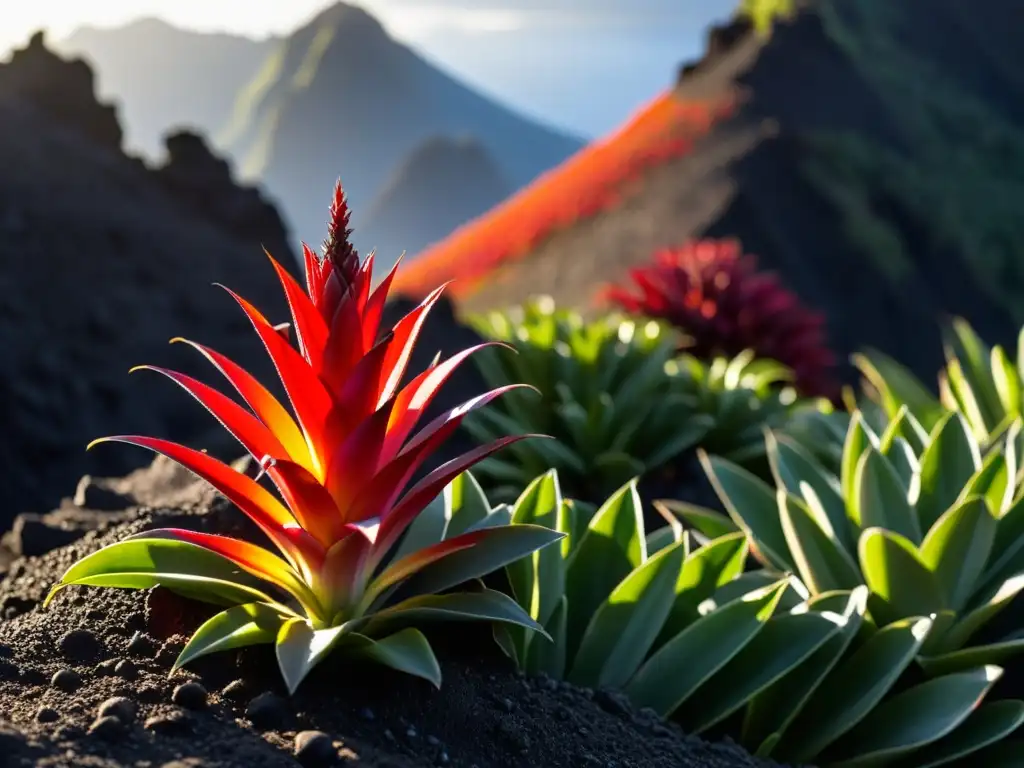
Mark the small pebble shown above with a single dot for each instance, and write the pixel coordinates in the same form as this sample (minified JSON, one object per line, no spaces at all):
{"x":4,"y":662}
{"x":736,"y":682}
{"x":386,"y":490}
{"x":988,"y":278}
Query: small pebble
{"x":106,"y":668}
{"x":117,"y":706}
{"x":235,"y":690}
{"x":267,"y":711}
{"x":367,"y":714}
{"x":141,"y":645}
{"x":411,"y":732}
{"x":94,"y":614}
{"x":126,"y":668}
{"x":190,"y":695}
{"x":174,"y":722}
{"x":66,"y":680}
{"x":108,"y":727}
{"x":314,"y":749}
{"x":8,"y":671}
{"x":47,"y":715}
{"x":433,"y":741}
{"x":80,"y":645}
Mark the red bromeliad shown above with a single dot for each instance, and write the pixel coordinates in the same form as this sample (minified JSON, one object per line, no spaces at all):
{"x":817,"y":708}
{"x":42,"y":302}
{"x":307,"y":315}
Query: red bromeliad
{"x":716,"y":296}
{"x":341,"y":462}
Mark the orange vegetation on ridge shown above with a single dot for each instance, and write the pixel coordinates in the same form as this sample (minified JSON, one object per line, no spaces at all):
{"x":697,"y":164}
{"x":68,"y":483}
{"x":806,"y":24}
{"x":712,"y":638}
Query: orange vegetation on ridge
{"x":589,"y":182}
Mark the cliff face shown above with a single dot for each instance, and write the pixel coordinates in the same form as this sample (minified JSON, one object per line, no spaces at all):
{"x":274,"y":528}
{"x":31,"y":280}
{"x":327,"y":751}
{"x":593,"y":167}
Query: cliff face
{"x":876,"y":161}
{"x":102,"y":261}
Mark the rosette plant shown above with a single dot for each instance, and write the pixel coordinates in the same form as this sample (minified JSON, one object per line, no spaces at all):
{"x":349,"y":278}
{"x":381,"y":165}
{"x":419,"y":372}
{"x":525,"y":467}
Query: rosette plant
{"x":933,"y":531}
{"x":605,"y":397}
{"x":341,"y":462}
{"x":722,"y":304}
{"x":802,"y":678}
{"x":618,"y":399}
{"x":983,"y":383}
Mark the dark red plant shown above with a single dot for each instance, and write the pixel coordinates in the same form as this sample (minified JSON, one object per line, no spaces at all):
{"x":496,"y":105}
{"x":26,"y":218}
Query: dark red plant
{"x":714,"y":294}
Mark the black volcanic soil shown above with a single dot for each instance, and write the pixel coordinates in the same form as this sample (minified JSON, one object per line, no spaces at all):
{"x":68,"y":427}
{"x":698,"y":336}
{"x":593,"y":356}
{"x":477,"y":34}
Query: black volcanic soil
{"x":877,"y":200}
{"x":85,"y":683}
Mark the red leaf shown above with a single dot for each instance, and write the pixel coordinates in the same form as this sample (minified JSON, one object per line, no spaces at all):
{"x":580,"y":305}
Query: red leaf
{"x":310,"y":328}
{"x":263,"y":404}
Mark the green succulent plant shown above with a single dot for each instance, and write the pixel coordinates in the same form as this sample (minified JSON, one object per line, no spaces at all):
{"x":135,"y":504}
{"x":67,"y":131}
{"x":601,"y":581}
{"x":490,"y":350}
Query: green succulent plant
{"x":616,"y":397}
{"x":978,"y":381}
{"x":796,"y":676}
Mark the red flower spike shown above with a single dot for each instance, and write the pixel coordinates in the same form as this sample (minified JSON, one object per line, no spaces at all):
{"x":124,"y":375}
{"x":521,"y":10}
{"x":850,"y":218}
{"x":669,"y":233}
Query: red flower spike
{"x":715,"y":296}
{"x":337,"y":248}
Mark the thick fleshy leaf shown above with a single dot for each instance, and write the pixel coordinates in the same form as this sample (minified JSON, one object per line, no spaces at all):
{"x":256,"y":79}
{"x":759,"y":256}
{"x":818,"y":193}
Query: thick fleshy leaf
{"x":821,"y":560}
{"x":344,"y":574}
{"x":752,"y":505}
{"x":674,"y":672}
{"x":252,"y":433}
{"x":792,"y":467}
{"x":986,"y":607}
{"x":310,"y":328}
{"x":1006,"y":560}
{"x":237,"y":627}
{"x":311,"y":503}
{"x":947,"y":465}
{"x":707,"y":522}
{"x":611,"y":547}
{"x":489,"y":549}
{"x":859,"y":438}
{"x":853,"y":690}
{"x":416,"y":396}
{"x":881,"y":498}
{"x":406,"y":332}
{"x":482,"y":605}
{"x":973,"y":656}
{"x":914,"y":718}
{"x":253,"y":559}
{"x":428,"y":528}
{"x":468,"y":502}
{"x":989,"y":723}
{"x":896,"y":384}
{"x":957,"y":548}
{"x":538,"y":581}
{"x":994,"y":481}
{"x":405,"y":651}
{"x":299,"y":648}
{"x":310,"y":401}
{"x":901,"y":583}
{"x":625,"y":626}
{"x":785,"y":642}
{"x":178,"y":565}
{"x":547,"y":655}
{"x":704,"y":570}
{"x":774,"y":707}
{"x":259,"y":504}
{"x":261,"y":401}
{"x":397,"y":518}
{"x":354,"y":461}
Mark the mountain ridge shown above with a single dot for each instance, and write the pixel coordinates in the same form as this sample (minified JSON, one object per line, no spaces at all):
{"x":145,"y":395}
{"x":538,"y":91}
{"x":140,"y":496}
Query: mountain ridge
{"x":831,"y":171}
{"x":298,"y":140}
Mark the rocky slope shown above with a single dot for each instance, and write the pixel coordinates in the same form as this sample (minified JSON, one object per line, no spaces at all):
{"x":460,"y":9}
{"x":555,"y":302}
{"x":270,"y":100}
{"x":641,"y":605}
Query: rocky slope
{"x":85,"y":682}
{"x":884,"y":203}
{"x":102,"y":261}
{"x":152,"y":67}
{"x":342,"y":97}
{"x":442,"y":183}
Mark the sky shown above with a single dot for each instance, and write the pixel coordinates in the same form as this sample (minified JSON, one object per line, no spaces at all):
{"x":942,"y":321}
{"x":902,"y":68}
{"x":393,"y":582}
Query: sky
{"x":19,"y":18}
{"x":632,"y":47}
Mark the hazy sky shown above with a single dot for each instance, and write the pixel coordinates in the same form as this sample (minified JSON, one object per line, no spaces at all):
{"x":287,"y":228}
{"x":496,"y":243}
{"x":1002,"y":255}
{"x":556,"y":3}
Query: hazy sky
{"x":19,"y":18}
